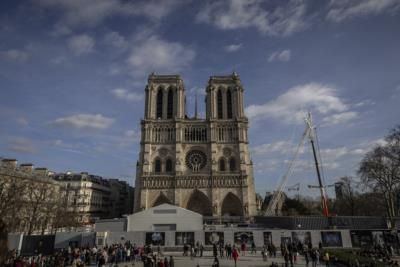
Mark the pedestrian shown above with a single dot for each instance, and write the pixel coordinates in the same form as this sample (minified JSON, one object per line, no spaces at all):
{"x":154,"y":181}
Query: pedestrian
{"x":216,"y":262}
{"x":235,"y":255}
{"x":171,"y":261}
{"x":201,"y":249}
{"x":306,"y":258}
{"x":215,"y":250}
{"x":243,"y":248}
{"x":166,"y":263}
{"x":253,"y":248}
{"x":221,"y":249}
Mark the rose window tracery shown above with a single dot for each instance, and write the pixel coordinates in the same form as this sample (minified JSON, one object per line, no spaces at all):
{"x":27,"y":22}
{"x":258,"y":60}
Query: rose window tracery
{"x":196,"y":160}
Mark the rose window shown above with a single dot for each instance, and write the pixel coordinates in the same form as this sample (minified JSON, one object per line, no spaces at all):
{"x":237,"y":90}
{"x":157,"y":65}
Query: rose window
{"x":196,"y":160}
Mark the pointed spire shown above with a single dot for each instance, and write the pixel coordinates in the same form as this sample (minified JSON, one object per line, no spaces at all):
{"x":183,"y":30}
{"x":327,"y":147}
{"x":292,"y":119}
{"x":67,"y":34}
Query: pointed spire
{"x":195,"y":106}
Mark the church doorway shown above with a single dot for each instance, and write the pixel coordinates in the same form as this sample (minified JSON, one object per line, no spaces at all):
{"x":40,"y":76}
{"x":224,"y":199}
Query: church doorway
{"x":200,"y":203}
{"x":231,"y":206}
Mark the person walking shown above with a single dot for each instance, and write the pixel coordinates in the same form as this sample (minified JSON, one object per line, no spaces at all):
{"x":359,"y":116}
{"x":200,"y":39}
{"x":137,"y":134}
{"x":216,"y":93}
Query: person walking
{"x":235,"y":255}
{"x":243,"y":248}
{"x":201,"y":249}
{"x":215,"y":250}
{"x":306,"y":257}
{"x":216,"y":262}
{"x":253,"y":248}
{"x":171,"y":262}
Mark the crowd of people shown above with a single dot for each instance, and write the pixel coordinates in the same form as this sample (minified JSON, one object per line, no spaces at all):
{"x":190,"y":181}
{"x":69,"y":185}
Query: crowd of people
{"x":152,"y":256}
{"x":86,"y":256}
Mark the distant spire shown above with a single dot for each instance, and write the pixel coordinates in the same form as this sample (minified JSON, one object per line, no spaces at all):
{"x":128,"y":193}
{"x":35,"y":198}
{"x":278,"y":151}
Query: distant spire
{"x":195,"y":106}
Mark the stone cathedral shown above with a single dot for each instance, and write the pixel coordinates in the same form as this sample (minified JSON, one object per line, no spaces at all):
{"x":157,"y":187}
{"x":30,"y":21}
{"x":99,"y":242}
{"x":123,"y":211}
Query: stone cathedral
{"x":201,"y":164}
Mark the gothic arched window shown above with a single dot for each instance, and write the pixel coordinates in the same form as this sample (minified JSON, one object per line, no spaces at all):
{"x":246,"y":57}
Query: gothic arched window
{"x":159,"y":110}
{"x":222,"y":165}
{"x":232,"y":164}
{"x":229,"y":104}
{"x":170,"y":104}
{"x":219,"y":104}
{"x":168,"y":165}
{"x":157,"y":165}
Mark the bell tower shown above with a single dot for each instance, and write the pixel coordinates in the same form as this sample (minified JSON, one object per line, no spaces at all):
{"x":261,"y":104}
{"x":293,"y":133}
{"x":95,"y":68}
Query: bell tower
{"x":224,"y":98}
{"x":165,"y":97}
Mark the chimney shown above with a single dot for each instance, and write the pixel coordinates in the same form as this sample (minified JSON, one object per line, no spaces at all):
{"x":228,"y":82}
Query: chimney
{"x":9,"y":164}
{"x":26,"y":168}
{"x":43,"y":172}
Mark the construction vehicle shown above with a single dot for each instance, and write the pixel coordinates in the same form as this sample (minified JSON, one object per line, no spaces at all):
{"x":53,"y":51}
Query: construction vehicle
{"x":310,"y":134}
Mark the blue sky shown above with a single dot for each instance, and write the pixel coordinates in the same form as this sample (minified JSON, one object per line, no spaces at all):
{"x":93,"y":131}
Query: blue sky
{"x":73,"y":72}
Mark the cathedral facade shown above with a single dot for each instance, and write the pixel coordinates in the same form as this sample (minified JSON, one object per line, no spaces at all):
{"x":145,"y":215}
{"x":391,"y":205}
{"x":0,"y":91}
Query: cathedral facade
{"x":201,"y":164}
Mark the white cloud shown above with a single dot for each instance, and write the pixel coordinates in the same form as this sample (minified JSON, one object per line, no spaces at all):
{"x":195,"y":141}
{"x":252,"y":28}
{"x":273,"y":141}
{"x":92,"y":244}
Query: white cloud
{"x":339,"y":118}
{"x":58,"y":60}
{"x":155,"y":54}
{"x":91,"y":13}
{"x":232,"y":47}
{"x":283,"y":56}
{"x":22,"y":121}
{"x":15,"y":55}
{"x":276,"y":147}
{"x":21,"y":144}
{"x":116,"y":40}
{"x":124,"y":94}
{"x":285,"y":19}
{"x":81,"y":44}
{"x":291,"y":106}
{"x":60,"y":29}
{"x":341,"y":10}
{"x":84,"y":121}
{"x":132,"y":134}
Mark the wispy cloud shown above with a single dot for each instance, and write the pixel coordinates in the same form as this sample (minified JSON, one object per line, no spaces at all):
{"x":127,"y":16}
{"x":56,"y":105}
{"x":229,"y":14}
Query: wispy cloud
{"x":22,"y":144}
{"x":291,"y":106}
{"x":15,"y":55}
{"x":339,"y":118}
{"x":116,"y":40}
{"x":124,"y":94}
{"x":84,"y":121}
{"x":278,"y":146}
{"x":22,"y":121}
{"x":76,"y":13}
{"x":155,"y":54}
{"x":343,"y":10}
{"x":283,"y":56}
{"x":81,"y":44}
{"x":233,"y":47}
{"x":286,"y":18}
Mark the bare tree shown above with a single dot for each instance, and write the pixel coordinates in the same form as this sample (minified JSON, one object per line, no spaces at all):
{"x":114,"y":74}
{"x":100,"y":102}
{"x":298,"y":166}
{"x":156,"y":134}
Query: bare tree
{"x":380,"y":170}
{"x":346,"y":201}
{"x":12,"y":191}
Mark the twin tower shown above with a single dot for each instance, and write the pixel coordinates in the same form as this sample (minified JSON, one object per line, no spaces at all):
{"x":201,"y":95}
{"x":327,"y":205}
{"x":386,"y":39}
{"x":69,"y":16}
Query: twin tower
{"x":199,"y":164}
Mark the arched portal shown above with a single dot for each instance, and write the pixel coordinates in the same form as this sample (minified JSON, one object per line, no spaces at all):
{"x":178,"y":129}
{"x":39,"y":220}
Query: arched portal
{"x":231,"y":206}
{"x":199,"y":203}
{"x":161,"y":199}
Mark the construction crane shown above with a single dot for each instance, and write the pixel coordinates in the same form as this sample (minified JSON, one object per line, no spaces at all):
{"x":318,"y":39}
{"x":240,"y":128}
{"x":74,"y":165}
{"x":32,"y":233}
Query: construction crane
{"x":309,"y":133}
